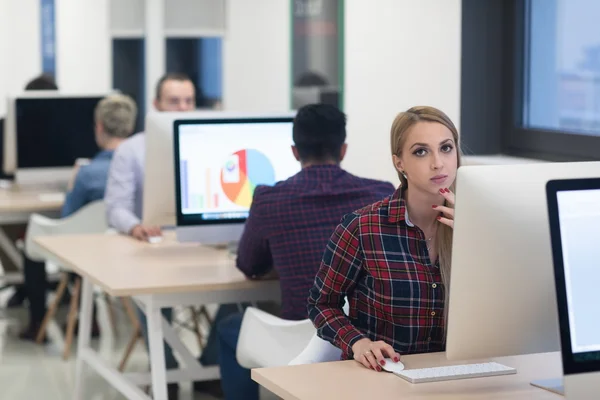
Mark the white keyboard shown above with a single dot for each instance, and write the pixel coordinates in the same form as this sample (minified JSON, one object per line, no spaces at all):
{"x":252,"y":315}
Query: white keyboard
{"x":466,"y":371}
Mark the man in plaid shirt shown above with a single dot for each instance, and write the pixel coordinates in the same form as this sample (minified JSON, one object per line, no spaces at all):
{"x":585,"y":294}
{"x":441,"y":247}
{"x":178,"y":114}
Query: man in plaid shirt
{"x":290,"y":224}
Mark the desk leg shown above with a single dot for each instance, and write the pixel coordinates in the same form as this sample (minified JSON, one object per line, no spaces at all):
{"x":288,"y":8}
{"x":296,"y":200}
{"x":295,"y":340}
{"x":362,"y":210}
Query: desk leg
{"x":83,"y":341}
{"x":10,"y":250}
{"x":156,"y":340}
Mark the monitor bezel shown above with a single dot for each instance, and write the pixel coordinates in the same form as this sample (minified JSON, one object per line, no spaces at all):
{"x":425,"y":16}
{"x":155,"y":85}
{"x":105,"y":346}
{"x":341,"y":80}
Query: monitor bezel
{"x":570,"y":363}
{"x":196,"y":219}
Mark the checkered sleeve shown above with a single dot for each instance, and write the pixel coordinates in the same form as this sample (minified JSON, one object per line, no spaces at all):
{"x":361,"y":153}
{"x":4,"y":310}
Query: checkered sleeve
{"x":338,"y":275}
{"x":254,"y":257}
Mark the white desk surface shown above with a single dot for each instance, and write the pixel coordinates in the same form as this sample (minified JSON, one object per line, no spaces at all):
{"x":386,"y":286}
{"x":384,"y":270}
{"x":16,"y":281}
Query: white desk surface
{"x":30,"y":199}
{"x":350,"y":381}
{"x":123,"y":266}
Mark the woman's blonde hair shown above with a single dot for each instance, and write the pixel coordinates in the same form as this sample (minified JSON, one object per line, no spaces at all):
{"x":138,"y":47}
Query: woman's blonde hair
{"x":400,"y":128}
{"x":117,"y":114}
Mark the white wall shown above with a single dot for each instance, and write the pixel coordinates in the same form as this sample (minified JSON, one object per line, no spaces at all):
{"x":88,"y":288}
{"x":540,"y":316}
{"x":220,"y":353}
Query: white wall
{"x":84,"y":52}
{"x":398,"y":53}
{"x":20,"y":43}
{"x":256,"y":55}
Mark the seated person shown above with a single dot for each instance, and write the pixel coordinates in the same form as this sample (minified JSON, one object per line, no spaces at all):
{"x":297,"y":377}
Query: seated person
{"x":289,"y":225}
{"x":114,"y":120}
{"x":41,"y":82}
{"x":124,"y":196}
{"x":391,"y":260}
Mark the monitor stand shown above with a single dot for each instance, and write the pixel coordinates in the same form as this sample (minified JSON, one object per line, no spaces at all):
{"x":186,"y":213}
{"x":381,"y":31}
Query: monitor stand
{"x":552,"y":385}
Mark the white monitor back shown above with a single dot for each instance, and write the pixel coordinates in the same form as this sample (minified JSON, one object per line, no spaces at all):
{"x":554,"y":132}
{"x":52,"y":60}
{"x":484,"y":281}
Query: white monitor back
{"x":502,"y":293}
{"x":159,"y":174}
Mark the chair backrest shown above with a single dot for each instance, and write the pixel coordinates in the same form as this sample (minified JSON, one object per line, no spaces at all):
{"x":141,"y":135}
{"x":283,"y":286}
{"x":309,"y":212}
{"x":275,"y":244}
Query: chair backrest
{"x":319,"y":350}
{"x":89,"y":219}
{"x":269,"y":341}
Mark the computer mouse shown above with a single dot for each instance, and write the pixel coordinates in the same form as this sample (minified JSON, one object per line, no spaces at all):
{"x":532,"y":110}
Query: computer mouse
{"x":154,"y":239}
{"x":392,"y":366}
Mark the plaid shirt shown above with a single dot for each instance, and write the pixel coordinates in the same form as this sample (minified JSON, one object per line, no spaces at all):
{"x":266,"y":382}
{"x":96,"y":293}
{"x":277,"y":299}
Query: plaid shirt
{"x":290,"y":223}
{"x":379,"y":260}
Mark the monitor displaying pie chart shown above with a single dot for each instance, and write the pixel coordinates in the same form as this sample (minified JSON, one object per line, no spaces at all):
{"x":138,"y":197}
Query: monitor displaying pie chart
{"x":242,"y":172}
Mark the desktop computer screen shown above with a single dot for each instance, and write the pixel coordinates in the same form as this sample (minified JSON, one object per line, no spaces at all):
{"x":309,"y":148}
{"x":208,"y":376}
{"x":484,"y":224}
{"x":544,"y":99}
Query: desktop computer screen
{"x":54,"y":132}
{"x":220,"y":162}
{"x":579,"y":218}
{"x":574,"y":219}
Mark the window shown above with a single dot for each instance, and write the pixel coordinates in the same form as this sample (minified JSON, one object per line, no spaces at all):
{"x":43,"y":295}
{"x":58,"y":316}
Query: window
{"x":557,"y":79}
{"x":563,"y":82}
{"x":128,"y":73}
{"x":317,"y":52}
{"x":201,"y":60}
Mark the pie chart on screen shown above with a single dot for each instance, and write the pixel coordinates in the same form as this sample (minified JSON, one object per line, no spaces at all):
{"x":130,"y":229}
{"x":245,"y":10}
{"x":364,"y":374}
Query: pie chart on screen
{"x":242,"y":172}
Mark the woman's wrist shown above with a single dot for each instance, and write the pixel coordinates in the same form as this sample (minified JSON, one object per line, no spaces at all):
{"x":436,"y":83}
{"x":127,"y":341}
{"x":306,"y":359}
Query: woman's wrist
{"x":359,"y":343}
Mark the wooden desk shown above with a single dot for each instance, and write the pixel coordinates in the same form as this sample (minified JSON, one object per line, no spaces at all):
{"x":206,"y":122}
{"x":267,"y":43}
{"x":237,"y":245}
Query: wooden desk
{"x":348,"y":380}
{"x":158,"y":275}
{"x":123,"y":266}
{"x":16,"y":205}
{"x":29,"y":199}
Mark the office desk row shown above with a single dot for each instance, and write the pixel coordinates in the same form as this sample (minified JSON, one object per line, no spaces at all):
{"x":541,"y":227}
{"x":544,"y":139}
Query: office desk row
{"x":157,"y":276}
{"x":348,"y":380}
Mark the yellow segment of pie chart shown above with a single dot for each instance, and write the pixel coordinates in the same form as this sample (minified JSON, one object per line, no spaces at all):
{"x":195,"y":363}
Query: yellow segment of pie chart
{"x":244,"y":198}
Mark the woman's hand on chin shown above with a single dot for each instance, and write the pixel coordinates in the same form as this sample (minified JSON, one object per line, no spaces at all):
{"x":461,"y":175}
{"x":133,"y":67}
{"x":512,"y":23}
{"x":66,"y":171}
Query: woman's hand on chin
{"x":447,"y":213}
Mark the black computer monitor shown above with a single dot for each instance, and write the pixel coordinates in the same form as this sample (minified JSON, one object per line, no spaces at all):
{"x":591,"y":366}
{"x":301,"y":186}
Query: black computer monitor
{"x":55,"y":131}
{"x":575,"y":230}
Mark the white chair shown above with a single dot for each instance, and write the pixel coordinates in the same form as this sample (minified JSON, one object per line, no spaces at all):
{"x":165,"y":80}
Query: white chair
{"x":89,"y":219}
{"x":269,"y":341}
{"x":318,"y":350}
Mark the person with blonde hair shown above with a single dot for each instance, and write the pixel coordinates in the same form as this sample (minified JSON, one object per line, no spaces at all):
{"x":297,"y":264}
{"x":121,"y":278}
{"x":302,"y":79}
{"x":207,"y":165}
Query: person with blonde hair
{"x":391,"y":260}
{"x":114,"y":119}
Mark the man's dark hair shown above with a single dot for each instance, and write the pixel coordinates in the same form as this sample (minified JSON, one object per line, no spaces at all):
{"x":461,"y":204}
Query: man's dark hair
{"x":319,"y":133}
{"x":171,"y":76}
{"x":42,"y":82}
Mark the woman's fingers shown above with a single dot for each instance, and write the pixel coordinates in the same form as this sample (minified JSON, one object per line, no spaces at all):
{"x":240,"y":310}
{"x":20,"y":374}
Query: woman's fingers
{"x":449,"y":212}
{"x":378,"y":356}
{"x":388,"y":351}
{"x":448,"y":195}
{"x":363,"y":360}
{"x":372,"y":360}
{"x":446,"y":221}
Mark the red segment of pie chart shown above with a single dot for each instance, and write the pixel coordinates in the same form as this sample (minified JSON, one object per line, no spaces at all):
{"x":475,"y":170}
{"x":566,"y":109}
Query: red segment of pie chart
{"x":232,"y":189}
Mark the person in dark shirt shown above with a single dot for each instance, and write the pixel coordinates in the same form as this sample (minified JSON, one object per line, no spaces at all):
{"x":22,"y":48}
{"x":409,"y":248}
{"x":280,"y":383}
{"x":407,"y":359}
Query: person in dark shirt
{"x":290,"y":223}
{"x":115,"y":120}
{"x":41,"y":82}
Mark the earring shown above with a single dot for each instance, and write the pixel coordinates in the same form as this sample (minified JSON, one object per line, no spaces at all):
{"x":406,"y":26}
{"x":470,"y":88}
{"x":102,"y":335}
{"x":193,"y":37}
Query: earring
{"x":404,"y":175}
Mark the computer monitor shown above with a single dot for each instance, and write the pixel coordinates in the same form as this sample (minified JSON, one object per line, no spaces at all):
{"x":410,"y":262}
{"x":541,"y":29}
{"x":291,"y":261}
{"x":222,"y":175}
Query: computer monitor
{"x":574,"y":218}
{"x":502,"y":300}
{"x":48,"y":130}
{"x":159,"y":185}
{"x":219,"y":163}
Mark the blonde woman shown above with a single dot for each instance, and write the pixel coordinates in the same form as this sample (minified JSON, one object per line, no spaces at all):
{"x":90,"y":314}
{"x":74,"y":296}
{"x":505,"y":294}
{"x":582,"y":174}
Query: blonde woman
{"x":392,"y":258}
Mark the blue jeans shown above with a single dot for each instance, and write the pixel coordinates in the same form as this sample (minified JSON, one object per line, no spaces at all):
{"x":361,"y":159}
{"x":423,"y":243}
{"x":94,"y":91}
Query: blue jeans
{"x":210,"y":355}
{"x":235,"y":379}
